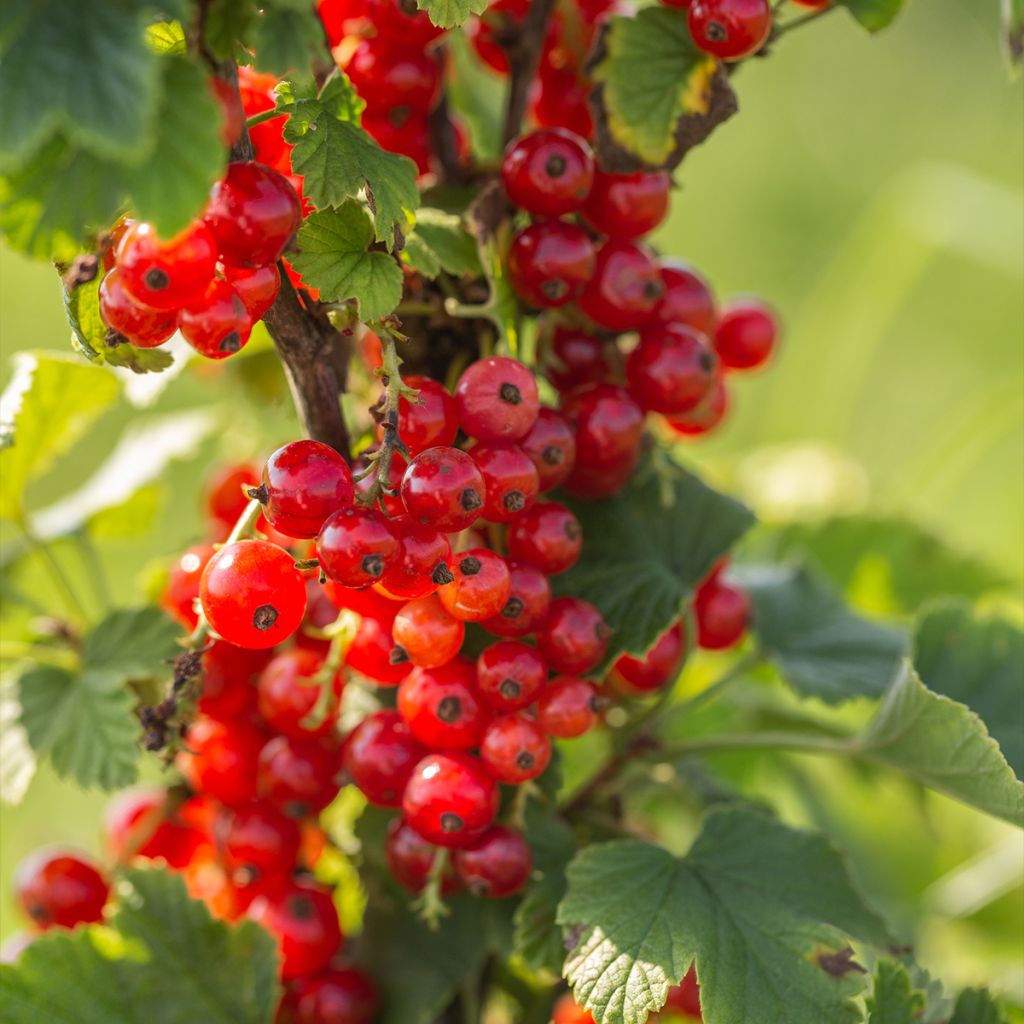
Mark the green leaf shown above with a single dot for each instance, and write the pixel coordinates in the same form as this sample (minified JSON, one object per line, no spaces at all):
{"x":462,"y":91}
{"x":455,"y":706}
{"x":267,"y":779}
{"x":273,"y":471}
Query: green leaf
{"x":439,"y":242}
{"x":761,"y":907}
{"x":894,"y":1000}
{"x":227,"y":26}
{"x":1013,"y":31}
{"x":976,"y":1006}
{"x":49,"y":404}
{"x":167,"y":37}
{"x":131,"y":643}
{"x":647,"y":548}
{"x":163,"y":960}
{"x":334,"y":257}
{"x":821,"y":648}
{"x":17,"y":759}
{"x":130,"y":518}
{"x":943,"y":745}
{"x":451,"y":13}
{"x":979,"y":662}
{"x":652,"y":74}
{"x":288,"y":38}
{"x":81,"y":69}
{"x":874,"y":15}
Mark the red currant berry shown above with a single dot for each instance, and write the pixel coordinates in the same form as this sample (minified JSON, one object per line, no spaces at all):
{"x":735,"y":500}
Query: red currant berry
{"x":730,"y":29}
{"x":550,"y":262}
{"x":515,"y":749}
{"x":166,"y":274}
{"x":426,"y":634}
{"x":442,"y":706}
{"x":140,"y":822}
{"x":609,"y":426}
{"x":301,"y":776}
{"x":687,"y":299}
{"x":305,"y":923}
{"x":182,"y":590}
{"x":252,"y":595}
{"x":422,"y":563}
{"x":706,"y":416}
{"x":510,"y":478}
{"x":257,"y":287}
{"x":672,"y":370}
{"x":430,"y":421}
{"x":746,"y":335}
{"x":258,"y":842}
{"x":548,"y":172}
{"x":560,"y":100}
{"x":660,"y":665}
{"x":392,"y":76}
{"x":684,"y":998}
{"x":303,"y":483}
{"x":342,"y":995}
{"x":229,"y":677}
{"x":356,"y":545}
{"x":109,"y":242}
{"x":365,"y":603}
{"x":143,"y":326}
{"x":502,"y":17}
{"x":232,"y":116}
{"x":220,"y":760}
{"x":218,"y":325}
{"x":627,"y":206}
{"x":497,"y":865}
{"x":722,"y":612}
{"x":380,"y":754}
{"x":402,"y":131}
{"x":551,"y":446}
{"x":575,"y":358}
{"x":225,"y":493}
{"x":444,"y":488}
{"x":568,"y":707}
{"x":288,"y":691}
{"x":510,"y":674}
{"x":497,"y":399}
{"x":548,"y":536}
{"x":526,"y":605}
{"x":372,"y":653}
{"x":253,"y":213}
{"x":574,"y":636}
{"x":410,"y":858}
{"x":60,"y":889}
{"x":593,"y":483}
{"x":450,"y":799}
{"x":625,"y":288}
{"x":258,"y":93}
{"x":481,"y":587}
{"x":393,"y":23}
{"x":566,"y":1011}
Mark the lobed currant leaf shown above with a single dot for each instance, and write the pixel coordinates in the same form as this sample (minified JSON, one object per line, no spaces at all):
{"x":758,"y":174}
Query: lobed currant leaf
{"x":439,"y":241}
{"x":976,"y":1006}
{"x":451,"y":13}
{"x":893,"y":999}
{"x":874,"y":15}
{"x":131,"y":643}
{"x":288,"y":38}
{"x":227,"y":27}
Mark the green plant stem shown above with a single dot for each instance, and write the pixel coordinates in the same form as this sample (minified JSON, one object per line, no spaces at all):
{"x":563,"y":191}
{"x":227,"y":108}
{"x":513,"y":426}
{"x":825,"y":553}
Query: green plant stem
{"x":341,"y":632}
{"x":430,"y":905}
{"x":803,"y":19}
{"x":264,"y":115}
{"x":798,"y":741}
{"x":737,"y":670}
{"x":39,"y":547}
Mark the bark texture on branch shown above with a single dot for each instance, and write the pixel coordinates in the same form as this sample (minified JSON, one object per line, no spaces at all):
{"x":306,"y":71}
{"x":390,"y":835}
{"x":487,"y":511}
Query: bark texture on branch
{"x":523,"y":58}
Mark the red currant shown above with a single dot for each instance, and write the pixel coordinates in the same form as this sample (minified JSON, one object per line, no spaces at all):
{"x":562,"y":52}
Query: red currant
{"x":257,"y":287}
{"x":60,"y":889}
{"x":166,"y":274}
{"x":684,"y":998}
{"x":258,"y":92}
{"x":510,"y":478}
{"x":672,"y":370}
{"x":548,"y":172}
{"x":356,"y":545}
{"x":218,"y":325}
{"x":568,"y":707}
{"x":182,"y":590}
{"x":442,"y":706}
{"x":551,"y":446}
{"x":288,"y":692}
{"x":402,"y":131}
{"x":422,"y":563}
{"x":746,"y":334}
{"x":450,"y":799}
{"x":305,"y":923}
{"x":142,"y":325}
{"x":499,"y":19}
{"x":497,"y":865}
{"x":560,"y":100}
{"x":594,"y":482}
{"x":510,"y":674}
{"x":550,"y":262}
{"x":431,"y":420}
{"x":373,"y":654}
{"x":225,"y":493}
{"x":609,"y":426}
{"x":230,"y":105}
{"x":628,"y":205}
{"x":365,"y":603}
{"x":380,"y":754}
{"x":220,"y":760}
{"x":259,"y":842}
{"x":140,"y":822}
{"x":392,"y":21}
{"x":548,"y":536}
{"x":730,"y":29}
{"x":410,"y":858}
{"x":341,"y":995}
{"x":515,"y":749}
{"x":722,"y":612}
{"x":526,"y":605}
{"x":625,"y":288}
{"x":481,"y":587}
{"x":706,"y":416}
{"x":574,"y":636}
{"x":575,"y":358}
{"x":303,"y":483}
{"x":566,"y":1011}
{"x":660,"y":665}
{"x":497,"y":399}
{"x":301,"y":776}
{"x":444,"y":487}
{"x":229,"y":676}
{"x":687,"y":299}
{"x":391,"y":76}
{"x":425,"y":634}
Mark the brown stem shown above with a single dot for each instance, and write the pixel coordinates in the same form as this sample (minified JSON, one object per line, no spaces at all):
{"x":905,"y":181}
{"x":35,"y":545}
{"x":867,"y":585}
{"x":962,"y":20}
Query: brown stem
{"x":523,"y":58}
{"x":442,"y":141}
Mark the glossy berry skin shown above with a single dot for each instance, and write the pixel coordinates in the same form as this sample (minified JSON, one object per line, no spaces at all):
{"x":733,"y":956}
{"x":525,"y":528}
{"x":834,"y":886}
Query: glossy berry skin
{"x":671,"y":370}
{"x":229,"y":680}
{"x":253,"y":213}
{"x":450,"y":799}
{"x":182,"y":590}
{"x":628,"y":206}
{"x":257,"y":287}
{"x":550,"y":262}
{"x":142,"y":325}
{"x":548,"y":536}
{"x":422,"y":564}
{"x":510,"y":477}
{"x":303,"y":483}
{"x":373,"y":654}
{"x":356,"y":545}
{"x":141,"y":823}
{"x":218,"y":325}
{"x":287,"y":692}
{"x":426,"y":634}
{"x":625,"y":287}
{"x":510,"y":674}
{"x":252,"y":595}
{"x":568,"y":707}
{"x":746,"y":335}
{"x":596,"y":482}
{"x":402,"y":131}
{"x":60,"y":889}
{"x":548,"y":172}
{"x":444,"y":488}
{"x":431,"y":421}
{"x":722,"y":612}
{"x":410,"y":858}
{"x":730,"y":29}
{"x":574,"y":636}
{"x":257,"y":92}
{"x":706,"y":416}
{"x":497,"y":865}
{"x":394,"y":75}
{"x":304,"y":922}
{"x":166,"y":274}
{"x":687,"y":299}
{"x":551,"y":446}
{"x":300,"y":776}
{"x":515,"y":749}
{"x":342,"y":995}
{"x":608,"y":423}
{"x":481,"y":587}
{"x":660,"y":665}
{"x":225,"y":494}
{"x":258,"y":842}
{"x":380,"y":754}
{"x":497,"y":399}
{"x":442,"y":707}
{"x":219,"y":760}
{"x":526,"y":605}
{"x":575,"y":358}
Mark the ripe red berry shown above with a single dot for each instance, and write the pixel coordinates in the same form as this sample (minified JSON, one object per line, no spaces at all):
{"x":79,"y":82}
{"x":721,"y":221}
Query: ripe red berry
{"x":594,"y":483}
{"x":450,"y":799}
{"x":229,"y":678}
{"x":422,"y":564}
{"x":671,"y":370}
{"x":497,"y":399}
{"x":166,"y":274}
{"x":444,"y":487}
{"x":142,"y":325}
{"x":341,"y":995}
{"x":257,"y":91}
{"x":257,"y":287}
{"x":625,"y":287}
{"x":259,"y":842}
{"x":730,"y":29}
{"x":660,"y":665}
{"x":356,"y":545}
{"x":560,"y":99}
{"x":687,"y":298}
{"x":410,"y":858}
{"x":253,"y":213}
{"x":430,"y":421}
{"x":566,"y":1011}
{"x":402,"y":131}
{"x":575,"y":358}
{"x":217,"y":325}
{"x":551,"y":446}
{"x":609,"y":426}
{"x":568,"y":707}
{"x":303,"y":483}
{"x":288,"y":691}
{"x":252,"y":594}
{"x":684,"y":998}
{"x":510,"y":478}
{"x":60,"y":889}
{"x":219,"y":760}
{"x":144,"y":822}
{"x":305,"y":923}
{"x":501,"y":17}
{"x":722,"y":612}
{"x":526,"y":605}
{"x":515,"y":749}
{"x":232,"y":115}
{"x":550,"y":262}
{"x":510,"y":674}
{"x":548,"y":172}
{"x":393,"y":23}
{"x":746,"y":334}
{"x":372,"y":652}
{"x":391,"y":76}
{"x":182,"y":590}
{"x":380,"y":754}
{"x":628,"y":205}
{"x":225,"y":494}
{"x":301,"y":776}
{"x":706,"y":416}
{"x":548,"y":536}
{"x":426,"y":634}
{"x":442,"y":706}
{"x":481,"y":587}
{"x":574,"y":636}
{"x":497,"y":865}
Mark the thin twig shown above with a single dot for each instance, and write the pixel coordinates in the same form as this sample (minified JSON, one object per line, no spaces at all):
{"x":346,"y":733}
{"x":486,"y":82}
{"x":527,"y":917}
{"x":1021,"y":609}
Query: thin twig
{"x":523,"y":59}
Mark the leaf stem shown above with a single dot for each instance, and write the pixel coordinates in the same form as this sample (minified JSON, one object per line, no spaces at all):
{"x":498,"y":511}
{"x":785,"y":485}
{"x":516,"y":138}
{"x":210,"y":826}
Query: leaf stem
{"x":264,"y":115}
{"x":738,"y":669}
{"x":815,"y":744}
{"x":40,"y":547}
{"x":430,"y":905}
{"x":341,"y":632}
{"x":804,"y":19}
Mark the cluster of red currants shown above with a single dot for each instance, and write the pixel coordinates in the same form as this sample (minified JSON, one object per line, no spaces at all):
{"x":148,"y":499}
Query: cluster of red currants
{"x":214,"y":280}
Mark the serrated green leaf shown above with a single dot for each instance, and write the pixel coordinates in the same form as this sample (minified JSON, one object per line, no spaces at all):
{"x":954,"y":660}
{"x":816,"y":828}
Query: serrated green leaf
{"x":288,"y":39}
{"x":451,"y":13}
{"x":821,"y":648}
{"x":49,"y":404}
{"x":167,"y":37}
{"x":131,"y":643}
{"x":129,"y":518}
{"x":439,"y":242}
{"x":753,"y":902}
{"x":17,"y":758}
{"x":163,"y":960}
{"x":945,"y":746}
{"x":893,"y":999}
{"x":334,"y":256}
{"x":874,"y":15}
{"x":646,"y":548}
{"x":652,"y":74}
{"x":976,"y":1006}
{"x":227,"y":25}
